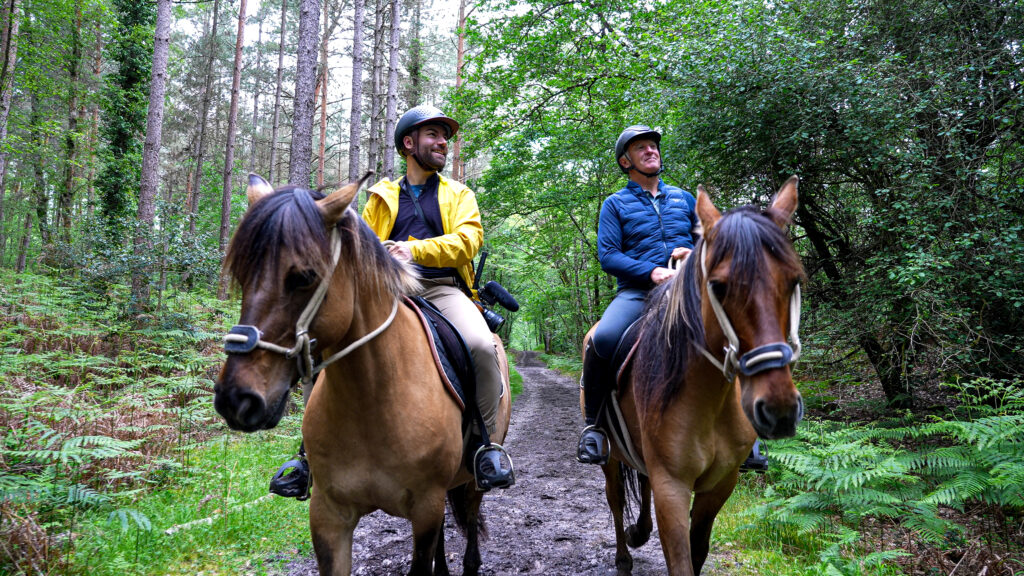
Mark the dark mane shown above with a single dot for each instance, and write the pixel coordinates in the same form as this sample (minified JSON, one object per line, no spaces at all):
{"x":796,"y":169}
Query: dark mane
{"x":673,"y":329}
{"x":289,"y":220}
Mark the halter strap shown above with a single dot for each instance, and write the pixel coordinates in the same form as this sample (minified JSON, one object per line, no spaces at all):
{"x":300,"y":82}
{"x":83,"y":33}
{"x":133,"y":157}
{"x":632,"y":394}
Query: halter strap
{"x":242,"y":339}
{"x":766,"y":357}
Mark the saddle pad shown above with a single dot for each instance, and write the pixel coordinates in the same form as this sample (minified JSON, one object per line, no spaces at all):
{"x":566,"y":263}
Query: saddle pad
{"x":451,"y":356}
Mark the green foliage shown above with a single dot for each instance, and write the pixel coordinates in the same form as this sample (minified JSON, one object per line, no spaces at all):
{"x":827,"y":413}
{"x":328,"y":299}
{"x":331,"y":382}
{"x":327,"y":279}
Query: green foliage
{"x":832,"y":477}
{"x":125,"y":105}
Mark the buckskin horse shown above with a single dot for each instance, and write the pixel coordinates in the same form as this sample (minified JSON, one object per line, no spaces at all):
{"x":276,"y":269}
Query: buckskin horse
{"x":380,"y":430}
{"x":710,"y":372}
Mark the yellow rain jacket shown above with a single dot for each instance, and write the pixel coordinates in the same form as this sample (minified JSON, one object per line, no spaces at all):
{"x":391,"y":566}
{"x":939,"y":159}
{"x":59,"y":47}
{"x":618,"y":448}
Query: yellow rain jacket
{"x":460,"y":216}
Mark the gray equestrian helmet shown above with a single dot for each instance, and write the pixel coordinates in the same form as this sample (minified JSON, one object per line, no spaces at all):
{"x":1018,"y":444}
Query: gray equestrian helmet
{"x":419,"y":116}
{"x":632,"y":133}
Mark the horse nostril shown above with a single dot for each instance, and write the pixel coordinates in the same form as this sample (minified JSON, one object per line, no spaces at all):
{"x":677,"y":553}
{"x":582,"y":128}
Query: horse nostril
{"x":762,"y":416}
{"x":242,"y":409}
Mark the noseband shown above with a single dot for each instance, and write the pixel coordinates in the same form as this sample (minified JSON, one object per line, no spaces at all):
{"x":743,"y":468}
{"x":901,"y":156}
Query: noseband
{"x":243,"y":338}
{"x":766,"y":357}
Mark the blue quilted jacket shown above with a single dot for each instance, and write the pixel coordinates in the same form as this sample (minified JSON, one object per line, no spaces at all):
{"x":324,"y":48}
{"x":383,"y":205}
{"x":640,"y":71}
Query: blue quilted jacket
{"x":633,"y":238}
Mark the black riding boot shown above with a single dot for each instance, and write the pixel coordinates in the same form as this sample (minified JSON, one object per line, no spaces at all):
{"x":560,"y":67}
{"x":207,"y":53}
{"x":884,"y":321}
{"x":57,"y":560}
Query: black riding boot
{"x":756,"y":462}
{"x":292,"y":479}
{"x":490,"y":464}
{"x":597,"y":384}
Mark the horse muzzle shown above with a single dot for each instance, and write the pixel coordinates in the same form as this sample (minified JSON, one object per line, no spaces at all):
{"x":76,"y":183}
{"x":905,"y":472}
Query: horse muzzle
{"x":242,"y":407}
{"x":776,"y":419}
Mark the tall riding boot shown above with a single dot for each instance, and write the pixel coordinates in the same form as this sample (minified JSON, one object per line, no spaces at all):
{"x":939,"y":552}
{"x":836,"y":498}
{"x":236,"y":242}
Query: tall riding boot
{"x":597,"y":384}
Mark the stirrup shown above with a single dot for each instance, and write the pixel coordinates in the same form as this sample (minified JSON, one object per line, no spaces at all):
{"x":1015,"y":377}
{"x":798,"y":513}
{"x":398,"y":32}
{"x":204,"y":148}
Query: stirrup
{"x":756,"y":462}
{"x":292,"y":479}
{"x":585,"y":456}
{"x":502,"y":478}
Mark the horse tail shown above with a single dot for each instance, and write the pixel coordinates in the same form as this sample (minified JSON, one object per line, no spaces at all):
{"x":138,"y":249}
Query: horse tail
{"x":462,"y":510}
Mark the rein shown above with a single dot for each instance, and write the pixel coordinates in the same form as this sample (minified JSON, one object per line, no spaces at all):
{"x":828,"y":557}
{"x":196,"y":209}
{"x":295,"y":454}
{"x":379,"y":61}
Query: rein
{"x":243,"y":338}
{"x":765,"y":357}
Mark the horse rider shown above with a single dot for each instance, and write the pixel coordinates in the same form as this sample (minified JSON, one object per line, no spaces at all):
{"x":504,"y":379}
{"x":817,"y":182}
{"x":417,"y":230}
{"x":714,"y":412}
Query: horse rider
{"x":434,"y":223}
{"x":640,"y":228}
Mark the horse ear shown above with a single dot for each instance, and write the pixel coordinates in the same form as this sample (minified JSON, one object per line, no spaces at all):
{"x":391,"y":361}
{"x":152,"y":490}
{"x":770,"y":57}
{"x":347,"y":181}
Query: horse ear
{"x":706,"y":211}
{"x":258,"y":188}
{"x":785,"y":202}
{"x":335,"y":204}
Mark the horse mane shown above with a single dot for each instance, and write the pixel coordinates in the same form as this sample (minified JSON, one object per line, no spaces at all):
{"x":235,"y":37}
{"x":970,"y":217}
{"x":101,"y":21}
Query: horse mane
{"x":672,"y":332}
{"x":289,"y":219}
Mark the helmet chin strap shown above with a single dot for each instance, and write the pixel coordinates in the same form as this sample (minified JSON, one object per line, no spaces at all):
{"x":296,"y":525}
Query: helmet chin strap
{"x":648,"y":174}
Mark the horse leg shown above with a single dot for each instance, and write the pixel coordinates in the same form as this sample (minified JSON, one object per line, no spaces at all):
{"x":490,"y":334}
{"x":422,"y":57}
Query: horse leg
{"x":471,"y":560}
{"x":440,"y":560}
{"x":638,"y":534}
{"x":615,"y":492}
{"x":672,"y":508}
{"x":706,"y":506}
{"x":331,"y":528}
{"x":427,"y":526}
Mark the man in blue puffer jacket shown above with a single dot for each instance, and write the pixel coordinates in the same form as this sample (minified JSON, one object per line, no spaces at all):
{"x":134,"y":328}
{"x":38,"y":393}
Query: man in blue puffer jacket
{"x":641,"y":227}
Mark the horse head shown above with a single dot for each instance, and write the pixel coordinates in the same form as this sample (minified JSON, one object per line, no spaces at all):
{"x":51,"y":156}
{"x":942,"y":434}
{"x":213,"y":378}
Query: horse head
{"x":283,"y":257}
{"x":750,"y":303}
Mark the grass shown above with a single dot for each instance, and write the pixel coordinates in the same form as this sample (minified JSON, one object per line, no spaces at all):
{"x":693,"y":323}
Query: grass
{"x":226,"y":483}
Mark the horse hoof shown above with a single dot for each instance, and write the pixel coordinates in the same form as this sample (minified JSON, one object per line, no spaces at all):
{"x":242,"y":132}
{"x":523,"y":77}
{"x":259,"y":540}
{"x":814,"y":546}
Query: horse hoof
{"x":635,"y":537}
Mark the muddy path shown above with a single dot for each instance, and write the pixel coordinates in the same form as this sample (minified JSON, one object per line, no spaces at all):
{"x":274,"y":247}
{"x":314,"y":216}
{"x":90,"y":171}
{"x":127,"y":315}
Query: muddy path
{"x":554,"y":521}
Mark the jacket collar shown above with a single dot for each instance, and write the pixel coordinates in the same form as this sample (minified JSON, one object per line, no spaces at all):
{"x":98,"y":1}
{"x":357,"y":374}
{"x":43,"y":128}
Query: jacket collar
{"x":429,"y":186}
{"x":637,"y":190}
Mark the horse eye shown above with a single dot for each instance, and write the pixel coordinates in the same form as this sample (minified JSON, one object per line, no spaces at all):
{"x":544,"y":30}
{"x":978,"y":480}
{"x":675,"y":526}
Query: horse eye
{"x":299,"y":280}
{"x":719,"y":288}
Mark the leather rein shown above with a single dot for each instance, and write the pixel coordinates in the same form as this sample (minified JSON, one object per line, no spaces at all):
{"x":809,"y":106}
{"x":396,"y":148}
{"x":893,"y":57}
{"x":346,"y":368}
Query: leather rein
{"x":244,"y":338}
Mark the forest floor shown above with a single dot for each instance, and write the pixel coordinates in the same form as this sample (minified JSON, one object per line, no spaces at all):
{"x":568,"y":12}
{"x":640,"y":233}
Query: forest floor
{"x":555,"y":520}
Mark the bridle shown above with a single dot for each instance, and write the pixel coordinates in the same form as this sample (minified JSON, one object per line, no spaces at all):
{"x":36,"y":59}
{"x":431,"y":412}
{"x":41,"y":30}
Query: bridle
{"x":244,"y":338}
{"x":765,"y":357}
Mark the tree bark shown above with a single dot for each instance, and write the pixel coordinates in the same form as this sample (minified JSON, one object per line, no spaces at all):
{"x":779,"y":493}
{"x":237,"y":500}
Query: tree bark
{"x":356,"y":117}
{"x":458,"y":166}
{"x":94,"y":124}
{"x":204,"y":113}
{"x":373,"y":156}
{"x":9,"y":22}
{"x":256,"y":97}
{"x":26,"y":238}
{"x":301,"y":152}
{"x":229,"y":150}
{"x":151,"y":156}
{"x":277,"y":94}
{"x":322,"y":152}
{"x":392,"y":111}
{"x":67,"y":191}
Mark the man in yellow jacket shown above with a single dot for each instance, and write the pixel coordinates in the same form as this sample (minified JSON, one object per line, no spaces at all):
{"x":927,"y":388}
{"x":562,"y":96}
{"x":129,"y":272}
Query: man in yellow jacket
{"x":435,"y":224}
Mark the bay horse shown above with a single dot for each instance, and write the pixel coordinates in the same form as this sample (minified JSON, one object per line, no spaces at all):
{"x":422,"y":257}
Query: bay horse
{"x":692,"y":415}
{"x":380,"y":430}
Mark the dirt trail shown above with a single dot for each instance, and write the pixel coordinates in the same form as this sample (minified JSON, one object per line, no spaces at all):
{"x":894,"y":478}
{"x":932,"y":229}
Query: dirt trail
{"x":554,"y":521}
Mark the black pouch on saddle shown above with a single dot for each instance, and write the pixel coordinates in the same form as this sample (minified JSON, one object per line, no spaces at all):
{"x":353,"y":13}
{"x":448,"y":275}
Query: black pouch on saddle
{"x":452,"y":351}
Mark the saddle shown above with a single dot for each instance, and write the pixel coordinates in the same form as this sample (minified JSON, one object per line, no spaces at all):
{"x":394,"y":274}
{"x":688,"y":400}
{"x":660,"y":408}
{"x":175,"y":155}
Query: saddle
{"x":451,"y":354}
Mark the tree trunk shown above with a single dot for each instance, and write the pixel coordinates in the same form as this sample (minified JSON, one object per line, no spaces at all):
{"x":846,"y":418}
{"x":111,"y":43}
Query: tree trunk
{"x":26,"y":238}
{"x":373,"y":159}
{"x":392,"y":112}
{"x":356,"y":117}
{"x":229,"y":150}
{"x":94,"y":125}
{"x":151,"y":156}
{"x":42,"y":199}
{"x":256,"y":97}
{"x":9,"y":22}
{"x":301,"y":152}
{"x":415,"y":66}
{"x":277,"y":94}
{"x":67,"y":191}
{"x":204,"y":113}
{"x":322,"y":152}
{"x":458,"y":166}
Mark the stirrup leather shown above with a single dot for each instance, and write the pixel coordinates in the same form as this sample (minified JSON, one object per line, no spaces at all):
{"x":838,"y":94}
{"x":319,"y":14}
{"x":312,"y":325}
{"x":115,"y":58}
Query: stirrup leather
{"x":503,"y":478}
